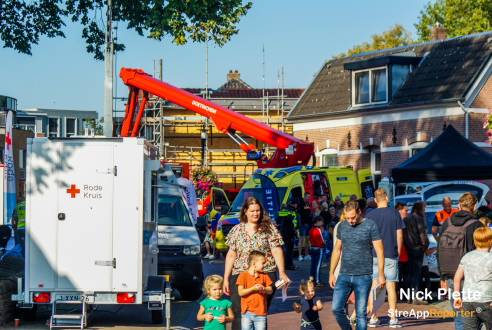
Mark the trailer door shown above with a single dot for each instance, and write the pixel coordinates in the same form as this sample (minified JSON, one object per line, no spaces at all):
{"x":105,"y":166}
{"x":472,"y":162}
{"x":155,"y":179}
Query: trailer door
{"x":84,"y":257}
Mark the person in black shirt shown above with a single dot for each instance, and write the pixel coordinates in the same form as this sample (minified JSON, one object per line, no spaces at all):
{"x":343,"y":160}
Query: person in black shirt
{"x":288,"y":222}
{"x":304,"y":210}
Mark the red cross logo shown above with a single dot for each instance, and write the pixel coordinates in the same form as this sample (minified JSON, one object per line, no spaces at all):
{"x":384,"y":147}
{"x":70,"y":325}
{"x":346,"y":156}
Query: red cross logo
{"x":72,"y":191}
{"x":8,"y":140}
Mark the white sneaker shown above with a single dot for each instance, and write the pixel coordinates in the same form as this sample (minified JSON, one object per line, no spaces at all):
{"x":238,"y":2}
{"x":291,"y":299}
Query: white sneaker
{"x":395,"y":324}
{"x":212,"y":257}
{"x":300,"y":258}
{"x":307,"y":258}
{"x":374,"y":323}
{"x":207,"y":256}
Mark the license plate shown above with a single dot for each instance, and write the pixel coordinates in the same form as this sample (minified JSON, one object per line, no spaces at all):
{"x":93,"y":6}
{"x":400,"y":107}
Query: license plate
{"x":166,"y":277}
{"x":68,"y":297}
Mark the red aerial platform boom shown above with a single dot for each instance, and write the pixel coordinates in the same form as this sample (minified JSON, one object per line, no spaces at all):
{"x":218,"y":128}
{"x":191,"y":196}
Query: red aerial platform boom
{"x":290,"y":150}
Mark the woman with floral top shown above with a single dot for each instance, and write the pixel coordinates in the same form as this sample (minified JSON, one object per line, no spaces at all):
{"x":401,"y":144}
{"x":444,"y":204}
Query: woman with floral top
{"x":255,"y":232}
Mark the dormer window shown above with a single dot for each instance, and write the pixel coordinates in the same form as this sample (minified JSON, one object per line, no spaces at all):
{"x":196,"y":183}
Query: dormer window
{"x":370,"y":86}
{"x":375,"y":80}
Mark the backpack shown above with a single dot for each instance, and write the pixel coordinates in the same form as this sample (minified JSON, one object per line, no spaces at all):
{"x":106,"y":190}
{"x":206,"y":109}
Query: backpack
{"x":452,"y":247}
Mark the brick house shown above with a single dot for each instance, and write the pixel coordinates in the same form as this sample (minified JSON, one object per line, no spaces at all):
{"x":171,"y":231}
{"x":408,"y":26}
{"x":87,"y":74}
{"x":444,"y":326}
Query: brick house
{"x":377,"y":109}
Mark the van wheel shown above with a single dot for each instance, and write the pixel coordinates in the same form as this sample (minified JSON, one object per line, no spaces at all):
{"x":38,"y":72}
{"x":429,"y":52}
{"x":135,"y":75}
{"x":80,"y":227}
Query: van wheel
{"x":29,"y":314}
{"x":157,"y":316}
{"x":191,"y":294}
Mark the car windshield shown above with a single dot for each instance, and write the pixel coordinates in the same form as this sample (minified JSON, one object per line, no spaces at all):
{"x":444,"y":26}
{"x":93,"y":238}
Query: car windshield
{"x":434,"y":196}
{"x":172,"y":211}
{"x":256,"y":192}
{"x":408,"y":201}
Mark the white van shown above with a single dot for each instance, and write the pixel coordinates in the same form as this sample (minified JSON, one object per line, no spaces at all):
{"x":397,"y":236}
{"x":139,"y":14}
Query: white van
{"x":179,"y":259}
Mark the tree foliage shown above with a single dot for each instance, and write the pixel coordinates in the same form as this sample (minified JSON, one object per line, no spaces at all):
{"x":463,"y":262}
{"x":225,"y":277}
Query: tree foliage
{"x":459,"y":17}
{"x":396,"y":36}
{"x":24,"y":22}
{"x":92,"y":124}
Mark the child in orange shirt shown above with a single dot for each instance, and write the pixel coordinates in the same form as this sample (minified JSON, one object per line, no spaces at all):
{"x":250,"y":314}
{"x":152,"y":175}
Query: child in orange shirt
{"x":253,"y":284}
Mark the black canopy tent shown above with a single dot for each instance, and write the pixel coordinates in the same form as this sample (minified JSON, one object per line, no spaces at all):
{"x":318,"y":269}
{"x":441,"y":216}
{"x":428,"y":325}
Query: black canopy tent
{"x":449,"y":157}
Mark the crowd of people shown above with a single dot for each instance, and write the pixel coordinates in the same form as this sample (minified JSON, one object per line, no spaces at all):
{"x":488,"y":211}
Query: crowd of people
{"x":373,"y":245}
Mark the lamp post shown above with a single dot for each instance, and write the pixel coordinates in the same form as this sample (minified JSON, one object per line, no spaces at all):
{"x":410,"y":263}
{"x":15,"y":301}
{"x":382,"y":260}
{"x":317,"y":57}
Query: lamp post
{"x":203,"y":137}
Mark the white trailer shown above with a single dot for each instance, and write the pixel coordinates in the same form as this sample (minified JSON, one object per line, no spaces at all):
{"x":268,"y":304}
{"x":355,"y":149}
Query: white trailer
{"x":91,"y":227}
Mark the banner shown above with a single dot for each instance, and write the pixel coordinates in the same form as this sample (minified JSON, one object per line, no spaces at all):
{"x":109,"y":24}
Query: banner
{"x":9,"y":201}
{"x":270,"y":197}
{"x":190,"y":196}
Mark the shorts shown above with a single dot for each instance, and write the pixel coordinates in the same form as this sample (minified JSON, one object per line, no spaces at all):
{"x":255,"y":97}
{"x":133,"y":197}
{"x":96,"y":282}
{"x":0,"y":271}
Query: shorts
{"x":390,"y":269}
{"x":303,"y":231}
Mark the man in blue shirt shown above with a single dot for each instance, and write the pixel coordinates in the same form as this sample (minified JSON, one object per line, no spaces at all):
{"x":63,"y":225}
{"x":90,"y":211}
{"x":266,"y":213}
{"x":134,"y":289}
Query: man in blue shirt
{"x":390,"y":225}
{"x":356,"y":238}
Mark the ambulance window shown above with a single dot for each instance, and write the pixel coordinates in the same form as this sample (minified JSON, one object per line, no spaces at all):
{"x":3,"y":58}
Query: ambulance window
{"x":295,"y":193}
{"x":219,"y":200}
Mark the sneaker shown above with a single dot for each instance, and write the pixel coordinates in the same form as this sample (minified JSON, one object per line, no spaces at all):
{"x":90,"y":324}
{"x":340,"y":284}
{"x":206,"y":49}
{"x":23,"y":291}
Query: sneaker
{"x":212,"y":257}
{"x":320,"y":284}
{"x":419,"y":302}
{"x":395,"y":324}
{"x":352,"y":321}
{"x":300,"y":258}
{"x":206,"y":256}
{"x":374,"y":323}
{"x":307,"y":258}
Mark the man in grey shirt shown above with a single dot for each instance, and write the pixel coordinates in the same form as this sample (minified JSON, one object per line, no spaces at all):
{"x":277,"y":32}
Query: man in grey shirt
{"x":356,"y":238}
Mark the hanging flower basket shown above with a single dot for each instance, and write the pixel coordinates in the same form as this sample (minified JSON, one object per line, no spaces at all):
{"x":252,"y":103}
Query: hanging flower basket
{"x":203,"y":179}
{"x":488,"y":126}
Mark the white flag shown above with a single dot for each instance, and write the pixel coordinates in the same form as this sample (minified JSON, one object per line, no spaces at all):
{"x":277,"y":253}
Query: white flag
{"x":190,"y":196}
{"x":9,"y":201}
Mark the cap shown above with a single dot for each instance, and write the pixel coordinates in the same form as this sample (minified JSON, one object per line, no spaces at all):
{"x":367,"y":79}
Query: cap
{"x":292,"y":201}
{"x":370,"y":199}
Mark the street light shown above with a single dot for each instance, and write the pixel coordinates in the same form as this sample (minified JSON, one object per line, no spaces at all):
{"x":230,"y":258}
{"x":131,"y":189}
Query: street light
{"x":203,"y":137}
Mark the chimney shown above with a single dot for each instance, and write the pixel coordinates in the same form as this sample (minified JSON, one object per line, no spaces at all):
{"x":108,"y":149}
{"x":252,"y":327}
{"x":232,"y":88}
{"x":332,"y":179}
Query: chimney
{"x":233,"y":75}
{"x":438,"y":32}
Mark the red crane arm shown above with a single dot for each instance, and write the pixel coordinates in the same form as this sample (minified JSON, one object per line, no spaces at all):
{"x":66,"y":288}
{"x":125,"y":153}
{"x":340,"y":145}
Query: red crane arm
{"x":290,"y":150}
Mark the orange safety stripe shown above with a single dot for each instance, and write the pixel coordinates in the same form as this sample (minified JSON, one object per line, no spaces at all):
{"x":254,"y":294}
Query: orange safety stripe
{"x":441,"y":215}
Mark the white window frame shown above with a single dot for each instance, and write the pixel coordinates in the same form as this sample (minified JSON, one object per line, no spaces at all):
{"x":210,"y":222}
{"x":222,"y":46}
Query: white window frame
{"x":76,"y":126}
{"x":327,"y":151}
{"x":416,"y":145}
{"x":57,"y":128}
{"x":370,"y":86}
{"x":375,"y":151}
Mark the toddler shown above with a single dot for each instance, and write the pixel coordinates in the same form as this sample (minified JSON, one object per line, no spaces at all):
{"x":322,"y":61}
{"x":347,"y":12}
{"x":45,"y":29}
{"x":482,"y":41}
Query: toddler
{"x":253,"y":284}
{"x":214,"y":310}
{"x":309,"y":305}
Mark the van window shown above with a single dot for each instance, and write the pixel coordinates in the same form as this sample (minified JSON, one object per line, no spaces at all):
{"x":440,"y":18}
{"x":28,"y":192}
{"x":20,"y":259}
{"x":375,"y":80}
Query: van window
{"x":172,"y":211}
{"x":295,"y":193}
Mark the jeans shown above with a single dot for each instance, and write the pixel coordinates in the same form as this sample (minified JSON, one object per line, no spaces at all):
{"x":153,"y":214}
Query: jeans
{"x":415,"y":258}
{"x":474,"y":320}
{"x":236,"y":299}
{"x":288,"y":249}
{"x":250,"y":321}
{"x":316,"y":257}
{"x":345,"y":284}
{"x":458,"y":320}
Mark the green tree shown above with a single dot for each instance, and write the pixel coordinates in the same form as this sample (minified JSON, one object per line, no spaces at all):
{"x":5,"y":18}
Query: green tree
{"x":92,"y":124}
{"x":459,"y":17}
{"x":396,"y":36}
{"x":24,"y":22}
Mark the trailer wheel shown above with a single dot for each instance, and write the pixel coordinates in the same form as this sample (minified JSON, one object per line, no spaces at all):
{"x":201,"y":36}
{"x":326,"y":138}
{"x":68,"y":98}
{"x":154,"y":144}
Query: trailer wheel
{"x":29,"y":314}
{"x":191,"y":294}
{"x":157,"y":316}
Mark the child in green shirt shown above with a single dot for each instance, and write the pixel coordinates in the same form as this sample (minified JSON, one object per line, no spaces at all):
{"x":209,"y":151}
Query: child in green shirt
{"x":214,"y":310}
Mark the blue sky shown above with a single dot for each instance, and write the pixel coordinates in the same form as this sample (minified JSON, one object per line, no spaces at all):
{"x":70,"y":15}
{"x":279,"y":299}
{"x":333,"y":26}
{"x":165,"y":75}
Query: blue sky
{"x":298,"y":35}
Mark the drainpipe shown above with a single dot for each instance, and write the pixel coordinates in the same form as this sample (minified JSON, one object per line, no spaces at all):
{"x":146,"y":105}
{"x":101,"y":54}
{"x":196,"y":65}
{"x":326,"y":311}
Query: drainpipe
{"x":466,"y":117}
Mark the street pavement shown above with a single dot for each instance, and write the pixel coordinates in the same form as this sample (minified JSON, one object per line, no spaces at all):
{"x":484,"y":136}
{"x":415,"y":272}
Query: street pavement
{"x":280,"y":316}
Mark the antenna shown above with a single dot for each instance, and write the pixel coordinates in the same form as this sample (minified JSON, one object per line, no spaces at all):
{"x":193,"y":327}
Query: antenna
{"x":263,"y":99}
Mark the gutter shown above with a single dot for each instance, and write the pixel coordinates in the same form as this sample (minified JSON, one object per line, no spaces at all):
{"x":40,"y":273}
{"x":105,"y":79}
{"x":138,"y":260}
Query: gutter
{"x":465,"y":110}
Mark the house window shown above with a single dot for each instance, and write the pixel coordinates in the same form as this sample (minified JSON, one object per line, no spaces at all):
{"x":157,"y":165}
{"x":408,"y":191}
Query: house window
{"x":377,"y":162}
{"x":27,"y":123}
{"x":370,"y":86}
{"x":376,"y":167}
{"x":330,"y":160}
{"x":71,"y":127}
{"x":414,"y":151}
{"x":53,"y":127}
